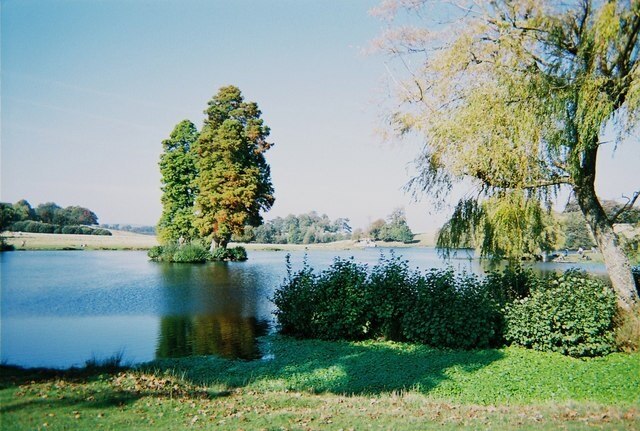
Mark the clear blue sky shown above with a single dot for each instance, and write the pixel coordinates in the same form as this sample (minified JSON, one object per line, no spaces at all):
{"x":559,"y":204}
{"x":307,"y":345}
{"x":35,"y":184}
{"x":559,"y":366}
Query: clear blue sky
{"x":91,"y":88}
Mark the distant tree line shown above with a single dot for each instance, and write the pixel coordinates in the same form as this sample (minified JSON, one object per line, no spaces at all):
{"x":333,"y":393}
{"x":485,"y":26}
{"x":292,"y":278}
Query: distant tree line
{"x":312,"y":228}
{"x":48,"y":218}
{"x":144,"y":230}
{"x":309,"y":228}
{"x":394,"y":228}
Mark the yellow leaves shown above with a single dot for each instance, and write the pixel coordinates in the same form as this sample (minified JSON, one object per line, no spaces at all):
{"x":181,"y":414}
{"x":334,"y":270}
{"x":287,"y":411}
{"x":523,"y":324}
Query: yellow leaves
{"x":606,"y":28}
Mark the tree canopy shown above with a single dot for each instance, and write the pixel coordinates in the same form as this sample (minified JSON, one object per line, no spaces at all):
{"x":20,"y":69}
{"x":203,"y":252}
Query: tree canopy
{"x":234,"y":180}
{"x":310,"y":228}
{"x":515,"y":95}
{"x":216,"y":182}
{"x":395,"y":228}
{"x":179,"y":173}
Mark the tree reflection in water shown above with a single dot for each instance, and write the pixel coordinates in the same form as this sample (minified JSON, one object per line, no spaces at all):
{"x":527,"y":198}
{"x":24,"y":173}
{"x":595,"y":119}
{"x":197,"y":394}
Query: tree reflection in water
{"x":227,"y":336}
{"x":214,"y":309}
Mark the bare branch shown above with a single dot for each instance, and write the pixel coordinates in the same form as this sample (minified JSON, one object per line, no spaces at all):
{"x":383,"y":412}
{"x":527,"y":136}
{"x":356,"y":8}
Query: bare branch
{"x":625,"y":207}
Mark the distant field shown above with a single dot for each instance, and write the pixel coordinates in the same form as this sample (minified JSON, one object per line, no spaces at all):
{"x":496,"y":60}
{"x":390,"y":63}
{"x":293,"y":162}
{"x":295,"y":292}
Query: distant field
{"x":121,"y":240}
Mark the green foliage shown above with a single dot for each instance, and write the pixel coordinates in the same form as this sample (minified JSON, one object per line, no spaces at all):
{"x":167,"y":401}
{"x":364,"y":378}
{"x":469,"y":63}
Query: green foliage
{"x":234,"y":180}
{"x":340,"y":311}
{"x":34,"y":227}
{"x":75,"y":215}
{"x":48,"y":213}
{"x":4,"y":246}
{"x":52,"y":214}
{"x":507,"y":225}
{"x":39,"y":227}
{"x":328,"y":306}
{"x":394,"y":229}
{"x":229,"y":254}
{"x":576,"y":232}
{"x":388,"y":295}
{"x":7,"y":216}
{"x":24,"y":211}
{"x":295,"y":302}
{"x":238,"y":253}
{"x":452,"y":311}
{"x":179,"y":173}
{"x":155,"y":252}
{"x":309,"y":228}
{"x":144,"y":230}
{"x":514,"y":282}
{"x":570,"y":313}
{"x":193,"y":252}
{"x":512,"y":98}
{"x":346,"y":301}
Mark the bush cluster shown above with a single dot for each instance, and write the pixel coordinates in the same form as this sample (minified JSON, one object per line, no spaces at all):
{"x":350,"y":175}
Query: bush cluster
{"x":40,"y":227}
{"x":569,"y":313}
{"x":194,"y":252}
{"x":347,"y":301}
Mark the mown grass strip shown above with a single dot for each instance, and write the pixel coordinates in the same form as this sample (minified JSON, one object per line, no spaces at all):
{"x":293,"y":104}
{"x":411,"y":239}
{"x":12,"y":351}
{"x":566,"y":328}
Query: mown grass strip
{"x":332,"y":385}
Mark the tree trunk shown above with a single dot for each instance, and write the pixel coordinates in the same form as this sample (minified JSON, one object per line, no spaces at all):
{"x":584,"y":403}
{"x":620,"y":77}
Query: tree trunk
{"x":218,"y":243}
{"x":615,"y":260}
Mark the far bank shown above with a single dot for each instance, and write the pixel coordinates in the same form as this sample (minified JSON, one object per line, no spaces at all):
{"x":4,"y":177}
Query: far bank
{"x":122,"y":240}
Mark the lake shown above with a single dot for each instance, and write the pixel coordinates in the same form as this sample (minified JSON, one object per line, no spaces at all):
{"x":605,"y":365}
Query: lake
{"x":62,"y":308}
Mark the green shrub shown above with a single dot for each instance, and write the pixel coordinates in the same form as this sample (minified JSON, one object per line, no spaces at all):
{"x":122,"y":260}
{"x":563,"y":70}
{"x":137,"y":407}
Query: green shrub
{"x":225,"y":254}
{"x":191,"y":253}
{"x":68,"y":230}
{"x":569,"y":313}
{"x":388,"y":295}
{"x":168,"y":251}
{"x":295,"y":302}
{"x":339,"y":301}
{"x":347,"y":301}
{"x":238,"y":254}
{"x":45,"y":228}
{"x":512,"y":283}
{"x":329,"y":306}
{"x":636,"y":277}
{"x":452,"y":311}
{"x":155,"y":252}
{"x":4,"y":246}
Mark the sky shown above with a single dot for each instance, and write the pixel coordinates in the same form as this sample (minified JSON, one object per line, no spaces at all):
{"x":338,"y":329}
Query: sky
{"x":90,"y":88}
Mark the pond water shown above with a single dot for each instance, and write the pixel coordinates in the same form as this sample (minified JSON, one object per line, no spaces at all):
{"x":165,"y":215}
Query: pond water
{"x":61,"y":308}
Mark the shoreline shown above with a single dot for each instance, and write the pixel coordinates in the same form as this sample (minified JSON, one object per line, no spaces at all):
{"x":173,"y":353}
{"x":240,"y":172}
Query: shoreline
{"x":129,"y":241}
{"x":122,"y":240}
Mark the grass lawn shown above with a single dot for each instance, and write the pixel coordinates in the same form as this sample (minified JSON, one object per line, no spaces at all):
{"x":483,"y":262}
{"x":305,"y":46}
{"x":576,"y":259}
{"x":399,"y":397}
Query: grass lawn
{"x":333,"y":385}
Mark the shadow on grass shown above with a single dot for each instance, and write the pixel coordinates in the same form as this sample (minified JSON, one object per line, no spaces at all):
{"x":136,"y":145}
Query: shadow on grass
{"x":92,"y":387}
{"x":298,"y":365}
{"x":336,"y":367}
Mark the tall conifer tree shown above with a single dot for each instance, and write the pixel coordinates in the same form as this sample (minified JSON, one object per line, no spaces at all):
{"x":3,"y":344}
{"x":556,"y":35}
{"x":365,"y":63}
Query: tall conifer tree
{"x":234,"y":178}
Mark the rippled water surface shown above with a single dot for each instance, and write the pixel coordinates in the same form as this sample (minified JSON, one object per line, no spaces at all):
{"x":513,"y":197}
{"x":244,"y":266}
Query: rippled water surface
{"x":61,"y":308}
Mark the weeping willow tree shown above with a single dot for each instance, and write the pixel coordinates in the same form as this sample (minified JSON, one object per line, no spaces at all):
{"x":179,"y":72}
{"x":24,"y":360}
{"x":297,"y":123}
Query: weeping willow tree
{"x":516,"y":95}
{"x":505,"y":225}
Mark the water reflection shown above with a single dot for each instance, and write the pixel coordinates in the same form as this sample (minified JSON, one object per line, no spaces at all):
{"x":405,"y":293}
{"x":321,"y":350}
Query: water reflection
{"x":214,"y":309}
{"x":227,"y":336}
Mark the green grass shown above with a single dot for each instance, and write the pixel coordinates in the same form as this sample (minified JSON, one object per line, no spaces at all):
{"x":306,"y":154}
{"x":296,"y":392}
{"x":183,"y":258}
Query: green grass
{"x":333,"y":385}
